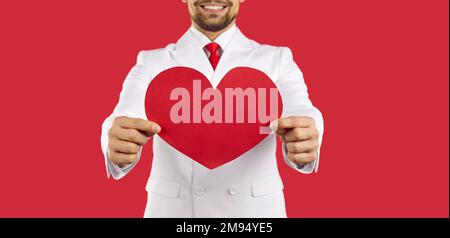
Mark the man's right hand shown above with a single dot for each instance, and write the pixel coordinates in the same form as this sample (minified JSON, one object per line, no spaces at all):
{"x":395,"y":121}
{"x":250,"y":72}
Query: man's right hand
{"x":126,"y":136}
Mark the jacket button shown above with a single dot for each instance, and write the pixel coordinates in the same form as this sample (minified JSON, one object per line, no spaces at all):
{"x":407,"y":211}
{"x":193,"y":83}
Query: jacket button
{"x":232,"y":191}
{"x":199,"y":191}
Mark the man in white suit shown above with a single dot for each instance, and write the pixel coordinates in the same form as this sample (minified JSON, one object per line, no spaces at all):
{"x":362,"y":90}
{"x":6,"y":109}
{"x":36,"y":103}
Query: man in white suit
{"x":249,"y":186}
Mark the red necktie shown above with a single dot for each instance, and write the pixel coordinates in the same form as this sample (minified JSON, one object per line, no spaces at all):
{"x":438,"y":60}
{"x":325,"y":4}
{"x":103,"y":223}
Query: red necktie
{"x":214,"y":57}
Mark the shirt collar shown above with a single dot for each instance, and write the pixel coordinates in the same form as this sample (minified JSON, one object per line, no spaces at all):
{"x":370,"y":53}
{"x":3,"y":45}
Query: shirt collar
{"x":223,"y":39}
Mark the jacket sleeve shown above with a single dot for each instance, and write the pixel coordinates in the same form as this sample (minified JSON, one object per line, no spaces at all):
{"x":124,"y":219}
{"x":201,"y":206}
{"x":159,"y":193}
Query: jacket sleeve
{"x":131,"y":104}
{"x":296,"y":102}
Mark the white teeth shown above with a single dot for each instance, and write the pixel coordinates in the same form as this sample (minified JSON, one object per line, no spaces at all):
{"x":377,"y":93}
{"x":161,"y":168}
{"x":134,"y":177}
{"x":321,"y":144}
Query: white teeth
{"x":214,"y":7}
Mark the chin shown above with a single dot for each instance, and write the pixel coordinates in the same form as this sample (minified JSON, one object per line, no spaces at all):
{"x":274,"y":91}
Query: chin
{"x":215,"y":23}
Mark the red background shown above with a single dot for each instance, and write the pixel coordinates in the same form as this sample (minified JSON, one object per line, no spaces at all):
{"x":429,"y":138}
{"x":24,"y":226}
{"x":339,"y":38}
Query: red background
{"x":378,"y":70}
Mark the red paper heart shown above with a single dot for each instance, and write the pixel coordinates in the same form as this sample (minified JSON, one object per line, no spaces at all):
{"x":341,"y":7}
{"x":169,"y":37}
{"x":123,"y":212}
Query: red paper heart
{"x":210,"y":144}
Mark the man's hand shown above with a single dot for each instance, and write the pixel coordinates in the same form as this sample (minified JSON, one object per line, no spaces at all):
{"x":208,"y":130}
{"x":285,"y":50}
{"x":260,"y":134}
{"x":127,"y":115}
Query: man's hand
{"x":126,"y":136}
{"x":300,"y":136}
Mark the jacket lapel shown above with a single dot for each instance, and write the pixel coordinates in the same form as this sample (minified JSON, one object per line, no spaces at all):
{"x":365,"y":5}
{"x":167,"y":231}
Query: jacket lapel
{"x":237,"y":53}
{"x":189,"y":53}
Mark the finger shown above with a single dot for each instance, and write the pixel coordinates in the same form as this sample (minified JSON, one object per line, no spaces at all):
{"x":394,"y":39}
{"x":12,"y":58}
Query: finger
{"x":140,"y":124}
{"x":124,"y":146}
{"x":294,"y":122}
{"x":302,"y":158}
{"x":122,"y":159}
{"x":130,"y":135}
{"x":301,"y":147}
{"x":274,"y":126}
{"x":299,"y":134}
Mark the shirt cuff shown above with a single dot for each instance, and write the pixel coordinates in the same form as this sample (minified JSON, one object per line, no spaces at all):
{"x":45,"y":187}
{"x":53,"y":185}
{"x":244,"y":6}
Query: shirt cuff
{"x":118,"y":172}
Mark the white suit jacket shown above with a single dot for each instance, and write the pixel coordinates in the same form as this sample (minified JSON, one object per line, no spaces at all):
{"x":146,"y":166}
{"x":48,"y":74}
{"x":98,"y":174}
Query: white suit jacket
{"x":249,"y":186}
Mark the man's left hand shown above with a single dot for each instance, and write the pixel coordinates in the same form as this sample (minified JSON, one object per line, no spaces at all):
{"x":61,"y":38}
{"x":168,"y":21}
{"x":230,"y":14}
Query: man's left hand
{"x":300,"y":136}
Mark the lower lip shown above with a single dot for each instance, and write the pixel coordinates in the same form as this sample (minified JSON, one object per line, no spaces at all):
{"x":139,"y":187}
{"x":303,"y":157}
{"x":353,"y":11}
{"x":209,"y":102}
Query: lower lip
{"x":213,"y":11}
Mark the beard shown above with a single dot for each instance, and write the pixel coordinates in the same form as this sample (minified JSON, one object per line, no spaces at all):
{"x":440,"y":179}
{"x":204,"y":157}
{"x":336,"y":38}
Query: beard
{"x":216,"y":26}
{"x":214,"y":22}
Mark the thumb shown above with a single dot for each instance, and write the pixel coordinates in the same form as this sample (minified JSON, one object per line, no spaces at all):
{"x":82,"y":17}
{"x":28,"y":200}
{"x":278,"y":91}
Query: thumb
{"x":274,"y":126}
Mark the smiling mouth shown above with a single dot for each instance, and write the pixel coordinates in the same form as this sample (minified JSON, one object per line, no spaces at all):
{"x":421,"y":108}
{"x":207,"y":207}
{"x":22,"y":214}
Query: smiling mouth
{"x":213,"y":8}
